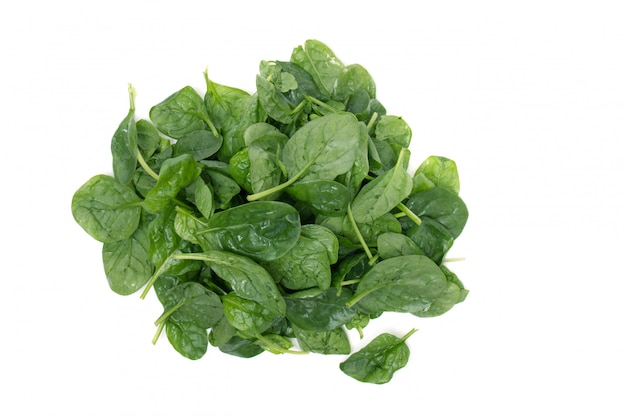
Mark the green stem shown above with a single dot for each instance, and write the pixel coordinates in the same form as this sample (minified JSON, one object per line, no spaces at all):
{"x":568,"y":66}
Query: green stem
{"x":262,"y":194}
{"x":155,"y":276}
{"x":297,"y":108}
{"x":407,"y":212}
{"x":406,"y":336}
{"x":174,"y":256}
{"x":454,"y":259}
{"x":158,"y":332}
{"x":131,"y":96}
{"x":206,"y":117}
{"x":370,"y":124}
{"x":321,"y":104}
{"x":278,"y":348}
{"x":359,"y":235}
{"x":145,"y":166}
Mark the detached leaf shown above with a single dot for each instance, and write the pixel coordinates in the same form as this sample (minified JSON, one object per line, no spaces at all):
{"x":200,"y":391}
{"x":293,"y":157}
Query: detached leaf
{"x":379,"y":360}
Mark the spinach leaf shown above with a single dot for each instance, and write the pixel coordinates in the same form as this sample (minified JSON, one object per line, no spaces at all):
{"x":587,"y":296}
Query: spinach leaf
{"x":305,"y":265}
{"x":453,"y":294}
{"x":248,"y":317}
{"x":401,"y":284}
{"x":326,"y":197}
{"x":323,"y":148}
{"x":433,"y":239}
{"x":379,"y":360}
{"x":176,"y":173}
{"x":127,"y":262}
{"x":106,"y":209}
{"x":189,"y":339}
{"x":247,"y":279}
{"x":382,"y":194}
{"x":189,"y":309}
{"x":326,"y":342}
{"x":320,"y":61}
{"x":165,"y":242}
{"x":263,"y":230}
{"x":354,"y":78}
{"x":320,"y":310}
{"x":441,"y":205}
{"x":200,"y":144}
{"x":393,"y":130}
{"x":436,"y":171}
{"x":391,"y":244}
{"x":180,"y":114}
{"x":124,"y":145}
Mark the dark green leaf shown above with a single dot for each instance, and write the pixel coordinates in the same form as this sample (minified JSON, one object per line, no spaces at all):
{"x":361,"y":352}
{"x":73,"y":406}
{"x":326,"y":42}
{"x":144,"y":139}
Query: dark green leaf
{"x":263,"y":230}
{"x":106,"y":209}
{"x":127,"y":264}
{"x":377,"y":362}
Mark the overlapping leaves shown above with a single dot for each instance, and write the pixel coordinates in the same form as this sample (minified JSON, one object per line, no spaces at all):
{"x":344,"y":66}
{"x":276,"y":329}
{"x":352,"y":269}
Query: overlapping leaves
{"x":280,"y":220}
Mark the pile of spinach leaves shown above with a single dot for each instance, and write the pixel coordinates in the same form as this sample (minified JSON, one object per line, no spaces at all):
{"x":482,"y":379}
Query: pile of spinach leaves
{"x":280,"y":220}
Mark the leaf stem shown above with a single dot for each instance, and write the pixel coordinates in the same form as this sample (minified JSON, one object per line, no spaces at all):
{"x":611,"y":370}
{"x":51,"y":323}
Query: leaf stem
{"x":131,"y":95}
{"x":321,"y":104}
{"x":270,"y":191}
{"x":158,"y":332}
{"x":273,"y":346}
{"x":370,"y":124}
{"x":407,"y":212}
{"x":355,"y":227}
{"x":406,"y":336}
{"x":145,"y":166}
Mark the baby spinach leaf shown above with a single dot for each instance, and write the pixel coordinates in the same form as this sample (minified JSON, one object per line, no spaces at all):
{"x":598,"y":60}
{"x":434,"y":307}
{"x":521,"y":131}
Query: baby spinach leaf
{"x":378,"y":360}
{"x":189,"y":339}
{"x":224,"y":188}
{"x":180,"y":114}
{"x":305,"y":265}
{"x":191,"y":302}
{"x":200,"y":144}
{"x":239,"y":169}
{"x":320,"y":61}
{"x":401,"y":284}
{"x":323,"y":148}
{"x":325,"y":237}
{"x":247,"y":279}
{"x":326,"y":197}
{"x":241,"y":347}
{"x":393,"y":130}
{"x":124,"y":145}
{"x":273,"y":102}
{"x":392,"y":244}
{"x":432,"y":237}
{"x":454,"y":293}
{"x":165,"y":242}
{"x":106,"y":209}
{"x":265,"y":144}
{"x":321,"y":310}
{"x":436,"y":171}
{"x":325,"y":342}
{"x":176,"y":173}
{"x":382,"y":194}
{"x":248,"y":317}
{"x":263,"y":230}
{"x":127,"y":264}
{"x":441,"y":205}
{"x":352,"y":79}
{"x":148,"y":138}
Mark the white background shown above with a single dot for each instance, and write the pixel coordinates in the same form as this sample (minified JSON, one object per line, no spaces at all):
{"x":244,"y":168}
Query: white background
{"x":529,"y":98}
